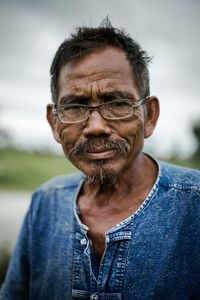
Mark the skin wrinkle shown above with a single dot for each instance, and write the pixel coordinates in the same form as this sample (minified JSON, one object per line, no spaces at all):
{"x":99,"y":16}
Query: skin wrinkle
{"x":100,"y":90}
{"x":73,"y":150}
{"x":75,"y":68}
{"x":130,"y":130}
{"x":121,"y":147}
{"x":94,"y":76}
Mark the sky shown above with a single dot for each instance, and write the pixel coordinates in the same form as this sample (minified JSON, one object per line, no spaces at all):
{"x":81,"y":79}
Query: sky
{"x":31,"y":32}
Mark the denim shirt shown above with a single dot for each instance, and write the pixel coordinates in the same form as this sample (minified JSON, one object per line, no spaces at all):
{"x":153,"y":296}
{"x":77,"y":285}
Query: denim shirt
{"x":153,"y":254}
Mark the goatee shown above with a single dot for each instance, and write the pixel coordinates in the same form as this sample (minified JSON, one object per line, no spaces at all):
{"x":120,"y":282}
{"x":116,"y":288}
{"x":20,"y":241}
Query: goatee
{"x":101,"y":177}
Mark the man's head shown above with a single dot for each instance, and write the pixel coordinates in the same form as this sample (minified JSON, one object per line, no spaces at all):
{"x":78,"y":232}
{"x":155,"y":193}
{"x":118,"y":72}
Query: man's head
{"x":99,"y":84}
{"x":87,"y":40}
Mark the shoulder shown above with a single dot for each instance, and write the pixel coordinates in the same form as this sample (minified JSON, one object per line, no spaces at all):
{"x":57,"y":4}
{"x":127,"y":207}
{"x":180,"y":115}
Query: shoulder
{"x":62,"y":182}
{"x":56,"y":193}
{"x":178,"y":191}
{"x":179,"y":177}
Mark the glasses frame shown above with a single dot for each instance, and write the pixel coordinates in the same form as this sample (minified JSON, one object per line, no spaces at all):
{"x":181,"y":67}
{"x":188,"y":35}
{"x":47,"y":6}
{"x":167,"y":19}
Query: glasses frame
{"x":97,"y":107}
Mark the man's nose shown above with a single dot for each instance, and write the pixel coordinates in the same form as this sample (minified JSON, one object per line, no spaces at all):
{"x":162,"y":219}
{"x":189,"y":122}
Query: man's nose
{"x":96,"y":125}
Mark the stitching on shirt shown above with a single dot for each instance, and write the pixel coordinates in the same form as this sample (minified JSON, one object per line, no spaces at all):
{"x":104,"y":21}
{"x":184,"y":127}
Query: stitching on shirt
{"x":182,"y":187}
{"x":130,"y":219}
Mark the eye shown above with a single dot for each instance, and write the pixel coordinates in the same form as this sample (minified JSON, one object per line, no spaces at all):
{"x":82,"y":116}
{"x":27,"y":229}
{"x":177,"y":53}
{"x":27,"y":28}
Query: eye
{"x":118,"y":104}
{"x":73,"y":107}
{"x":70,"y":108}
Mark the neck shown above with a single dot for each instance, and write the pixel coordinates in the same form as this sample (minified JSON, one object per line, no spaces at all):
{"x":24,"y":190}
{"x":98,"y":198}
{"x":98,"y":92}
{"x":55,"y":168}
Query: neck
{"x":137,"y":180}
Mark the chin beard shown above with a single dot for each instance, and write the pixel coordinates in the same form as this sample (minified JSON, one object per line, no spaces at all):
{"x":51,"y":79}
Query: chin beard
{"x":102,"y":177}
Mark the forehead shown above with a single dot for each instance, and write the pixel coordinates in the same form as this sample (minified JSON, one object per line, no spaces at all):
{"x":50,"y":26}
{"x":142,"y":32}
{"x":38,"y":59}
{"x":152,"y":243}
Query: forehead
{"x":104,"y":70}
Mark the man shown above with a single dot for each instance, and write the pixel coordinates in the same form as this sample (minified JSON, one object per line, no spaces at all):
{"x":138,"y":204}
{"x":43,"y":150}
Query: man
{"x":127,"y":226}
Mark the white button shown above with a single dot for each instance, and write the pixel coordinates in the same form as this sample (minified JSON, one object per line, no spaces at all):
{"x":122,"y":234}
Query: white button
{"x":83,"y":242}
{"x":107,"y":239}
{"x":94,"y":297}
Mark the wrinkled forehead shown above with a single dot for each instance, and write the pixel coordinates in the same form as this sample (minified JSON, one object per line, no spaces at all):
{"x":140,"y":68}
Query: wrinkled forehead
{"x":107,"y":69}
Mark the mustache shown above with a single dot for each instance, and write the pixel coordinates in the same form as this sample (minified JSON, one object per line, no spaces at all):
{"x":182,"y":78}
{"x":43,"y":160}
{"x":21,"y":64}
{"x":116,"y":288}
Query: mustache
{"x":106,"y":143}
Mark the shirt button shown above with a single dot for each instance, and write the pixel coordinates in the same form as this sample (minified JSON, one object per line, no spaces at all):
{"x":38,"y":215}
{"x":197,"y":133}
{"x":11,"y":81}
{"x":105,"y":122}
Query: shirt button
{"x":107,"y":239}
{"x":94,"y":297}
{"x":83,"y":242}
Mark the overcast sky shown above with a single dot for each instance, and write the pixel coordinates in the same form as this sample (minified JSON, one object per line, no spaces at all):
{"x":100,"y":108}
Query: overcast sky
{"x":31,"y":31}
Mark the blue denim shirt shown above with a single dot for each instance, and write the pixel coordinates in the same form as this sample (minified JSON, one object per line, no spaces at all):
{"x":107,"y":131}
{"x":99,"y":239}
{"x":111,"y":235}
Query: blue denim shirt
{"x":154,"y":254}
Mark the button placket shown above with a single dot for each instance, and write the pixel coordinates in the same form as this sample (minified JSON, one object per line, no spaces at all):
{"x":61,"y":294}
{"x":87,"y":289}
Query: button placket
{"x":82,"y":278}
{"x":116,"y":249}
{"x":106,"y":263}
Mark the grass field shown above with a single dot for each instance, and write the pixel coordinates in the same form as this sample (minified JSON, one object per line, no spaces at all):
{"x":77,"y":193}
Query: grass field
{"x":25,"y":171}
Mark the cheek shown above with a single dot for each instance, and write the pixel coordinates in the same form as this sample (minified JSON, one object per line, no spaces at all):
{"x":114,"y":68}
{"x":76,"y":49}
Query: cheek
{"x":135,"y":131}
{"x":69,"y":135}
{"x":135,"y":139}
{"x":138,"y":116}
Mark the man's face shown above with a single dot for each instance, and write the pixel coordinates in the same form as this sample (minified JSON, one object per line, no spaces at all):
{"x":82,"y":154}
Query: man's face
{"x":107,"y":146}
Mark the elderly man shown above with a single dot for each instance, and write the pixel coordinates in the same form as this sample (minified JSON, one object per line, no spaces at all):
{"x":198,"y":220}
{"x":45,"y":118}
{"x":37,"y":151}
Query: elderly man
{"x":127,"y":226}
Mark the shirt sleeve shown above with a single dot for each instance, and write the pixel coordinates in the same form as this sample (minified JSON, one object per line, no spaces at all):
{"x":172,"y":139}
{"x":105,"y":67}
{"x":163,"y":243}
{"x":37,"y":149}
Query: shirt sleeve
{"x":16,"y":285}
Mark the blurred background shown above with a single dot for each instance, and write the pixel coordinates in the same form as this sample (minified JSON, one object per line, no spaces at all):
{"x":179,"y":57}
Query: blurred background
{"x":30,"y":33}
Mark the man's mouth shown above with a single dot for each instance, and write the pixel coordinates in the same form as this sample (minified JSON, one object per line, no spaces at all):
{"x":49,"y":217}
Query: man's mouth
{"x":99,"y":153}
{"x":99,"y":148}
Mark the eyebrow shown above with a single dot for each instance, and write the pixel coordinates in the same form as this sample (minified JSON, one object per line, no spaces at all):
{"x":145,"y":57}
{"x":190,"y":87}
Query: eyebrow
{"x":73,"y":98}
{"x":107,"y":96}
{"x":116,"y":95}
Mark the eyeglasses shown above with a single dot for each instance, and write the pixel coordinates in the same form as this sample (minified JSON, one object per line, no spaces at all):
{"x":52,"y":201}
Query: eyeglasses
{"x":112,"y":110}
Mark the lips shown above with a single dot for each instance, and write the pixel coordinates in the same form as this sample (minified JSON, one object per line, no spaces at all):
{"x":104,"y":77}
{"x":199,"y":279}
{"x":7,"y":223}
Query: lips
{"x":97,"y":149}
{"x":99,"y":153}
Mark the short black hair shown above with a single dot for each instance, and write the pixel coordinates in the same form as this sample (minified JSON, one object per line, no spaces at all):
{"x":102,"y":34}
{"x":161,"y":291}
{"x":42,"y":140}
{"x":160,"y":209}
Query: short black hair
{"x":86,"y":40}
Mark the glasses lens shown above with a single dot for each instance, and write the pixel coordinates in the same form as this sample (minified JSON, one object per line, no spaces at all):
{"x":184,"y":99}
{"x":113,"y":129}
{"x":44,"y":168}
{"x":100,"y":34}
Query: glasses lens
{"x":72,"y":113}
{"x":117,"y":109}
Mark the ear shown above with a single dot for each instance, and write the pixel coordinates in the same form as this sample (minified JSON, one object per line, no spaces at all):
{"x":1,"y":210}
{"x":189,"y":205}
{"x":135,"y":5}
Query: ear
{"x":53,"y":122}
{"x":151,"y":115}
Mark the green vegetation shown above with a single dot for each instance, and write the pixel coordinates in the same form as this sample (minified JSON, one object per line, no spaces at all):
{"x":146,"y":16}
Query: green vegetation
{"x":189,"y":163}
{"x":4,"y":261}
{"x":25,"y":171}
{"x":196,"y":133}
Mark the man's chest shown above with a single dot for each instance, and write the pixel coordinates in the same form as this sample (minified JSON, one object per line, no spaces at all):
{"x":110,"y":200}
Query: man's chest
{"x":100,"y":221}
